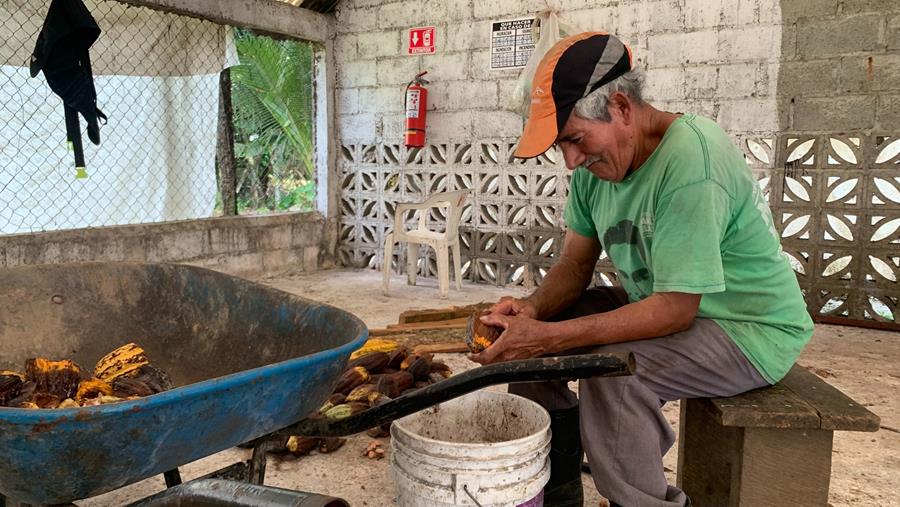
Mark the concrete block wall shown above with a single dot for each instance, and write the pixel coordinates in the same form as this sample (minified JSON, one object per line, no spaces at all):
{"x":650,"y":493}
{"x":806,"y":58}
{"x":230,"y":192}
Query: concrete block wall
{"x":717,"y":58}
{"x":840,"y":67}
{"x":243,"y":246}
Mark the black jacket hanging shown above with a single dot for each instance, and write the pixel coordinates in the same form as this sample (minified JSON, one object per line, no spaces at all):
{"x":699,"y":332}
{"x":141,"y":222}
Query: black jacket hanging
{"x":62,"y":54}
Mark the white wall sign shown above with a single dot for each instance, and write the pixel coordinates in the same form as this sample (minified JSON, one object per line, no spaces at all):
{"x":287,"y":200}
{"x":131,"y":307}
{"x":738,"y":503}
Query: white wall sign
{"x":511,"y":43}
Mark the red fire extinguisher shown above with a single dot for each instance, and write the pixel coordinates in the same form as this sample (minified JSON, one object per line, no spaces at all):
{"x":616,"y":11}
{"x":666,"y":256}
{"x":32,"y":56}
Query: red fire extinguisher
{"x":416,"y":101}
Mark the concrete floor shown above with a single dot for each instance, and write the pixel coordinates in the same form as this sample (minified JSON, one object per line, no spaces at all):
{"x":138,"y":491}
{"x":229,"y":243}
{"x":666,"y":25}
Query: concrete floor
{"x":865,"y":364}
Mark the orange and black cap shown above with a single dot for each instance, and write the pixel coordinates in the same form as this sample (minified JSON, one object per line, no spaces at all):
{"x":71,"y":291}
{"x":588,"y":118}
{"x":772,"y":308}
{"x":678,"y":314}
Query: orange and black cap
{"x":572,"y":69}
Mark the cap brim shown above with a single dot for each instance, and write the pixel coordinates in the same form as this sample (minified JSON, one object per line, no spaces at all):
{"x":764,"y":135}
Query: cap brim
{"x":539,"y":135}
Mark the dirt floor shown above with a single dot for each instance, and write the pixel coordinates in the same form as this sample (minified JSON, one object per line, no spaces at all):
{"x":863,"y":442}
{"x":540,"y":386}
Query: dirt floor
{"x":865,"y":364}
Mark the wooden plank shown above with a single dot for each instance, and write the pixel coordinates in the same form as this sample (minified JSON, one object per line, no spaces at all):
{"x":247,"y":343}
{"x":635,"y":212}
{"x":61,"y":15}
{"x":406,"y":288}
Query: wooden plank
{"x":441,"y":324}
{"x":424,"y":336}
{"x":436,"y":314}
{"x":769,"y":407}
{"x":441,"y":348}
{"x":785,"y":467}
{"x":709,"y":456}
{"x":836,"y":410}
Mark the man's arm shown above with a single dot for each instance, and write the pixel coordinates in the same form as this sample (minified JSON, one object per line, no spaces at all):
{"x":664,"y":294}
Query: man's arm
{"x":660,"y":314}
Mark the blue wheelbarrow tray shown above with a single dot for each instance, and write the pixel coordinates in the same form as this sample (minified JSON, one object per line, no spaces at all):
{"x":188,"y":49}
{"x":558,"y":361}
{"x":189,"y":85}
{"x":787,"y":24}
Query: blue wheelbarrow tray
{"x":249,"y":360}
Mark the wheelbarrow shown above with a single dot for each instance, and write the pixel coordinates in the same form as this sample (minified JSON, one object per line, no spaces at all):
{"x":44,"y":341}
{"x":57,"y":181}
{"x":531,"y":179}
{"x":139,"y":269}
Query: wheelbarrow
{"x":249,"y":362}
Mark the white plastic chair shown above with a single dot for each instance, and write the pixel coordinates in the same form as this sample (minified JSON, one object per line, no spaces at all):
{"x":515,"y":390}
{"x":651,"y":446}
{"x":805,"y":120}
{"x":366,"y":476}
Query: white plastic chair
{"x":440,"y":241}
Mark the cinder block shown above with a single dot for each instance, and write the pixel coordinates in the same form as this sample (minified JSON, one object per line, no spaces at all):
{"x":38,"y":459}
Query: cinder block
{"x":355,"y":20}
{"x":406,"y":15}
{"x":854,"y":73}
{"x":439,"y":95}
{"x":228,"y":239}
{"x":831,"y":37}
{"x":345,"y":48}
{"x":497,"y":124}
{"x":473,"y":95}
{"x":662,"y":15}
{"x":793,"y":10}
{"x":892,"y":36}
{"x":449,"y":66}
{"x":459,"y":9}
{"x":280,"y":260}
{"x":749,"y":115}
{"x":397,"y":71}
{"x":834,"y":114}
{"x":700,"y":82}
{"x":663,"y":84}
{"x":737,"y":80}
{"x":347,"y":101}
{"x":879,"y":6}
{"x":885,"y":71}
{"x":595,"y":18}
{"x":274,"y":237}
{"x":500,"y":9}
{"x":311,"y":258}
{"x":382,"y":100}
{"x":815,"y":77}
{"x":307,"y":230}
{"x":766,"y":79}
{"x":450,"y":126}
{"x":750,"y":43}
{"x":669,"y":50}
{"x":888,"y":111}
{"x":356,"y":74}
{"x":710,"y":13}
{"x":749,"y":11}
{"x":373,"y":44}
{"x":467,"y":36}
{"x":359,"y":127}
{"x":393,"y":127}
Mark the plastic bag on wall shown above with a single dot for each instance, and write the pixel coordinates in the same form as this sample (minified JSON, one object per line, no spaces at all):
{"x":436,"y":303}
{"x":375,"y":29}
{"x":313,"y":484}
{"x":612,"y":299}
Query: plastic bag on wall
{"x":552,"y":30}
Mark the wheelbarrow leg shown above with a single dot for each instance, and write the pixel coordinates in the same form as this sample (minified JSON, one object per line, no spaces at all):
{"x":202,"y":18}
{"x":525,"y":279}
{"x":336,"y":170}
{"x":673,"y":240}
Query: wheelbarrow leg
{"x":173,"y":478}
{"x":257,"y":473}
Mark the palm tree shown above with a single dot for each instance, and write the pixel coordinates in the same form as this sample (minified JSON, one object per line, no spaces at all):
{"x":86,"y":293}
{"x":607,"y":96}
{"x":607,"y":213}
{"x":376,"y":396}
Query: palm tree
{"x":272,"y":101}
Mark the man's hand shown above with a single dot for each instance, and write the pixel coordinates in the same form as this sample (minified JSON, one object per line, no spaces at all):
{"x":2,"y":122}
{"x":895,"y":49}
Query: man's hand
{"x":523,"y":337}
{"x":511,"y":306}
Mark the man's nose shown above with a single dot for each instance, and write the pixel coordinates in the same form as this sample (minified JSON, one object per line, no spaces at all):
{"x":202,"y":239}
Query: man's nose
{"x":572,"y":156}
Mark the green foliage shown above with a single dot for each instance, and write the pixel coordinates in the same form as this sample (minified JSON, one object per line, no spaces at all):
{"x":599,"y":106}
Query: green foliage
{"x":272,"y":103}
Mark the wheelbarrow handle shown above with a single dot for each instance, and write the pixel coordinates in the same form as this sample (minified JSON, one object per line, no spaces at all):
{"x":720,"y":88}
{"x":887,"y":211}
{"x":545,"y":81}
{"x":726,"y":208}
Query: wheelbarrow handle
{"x":527,"y":370}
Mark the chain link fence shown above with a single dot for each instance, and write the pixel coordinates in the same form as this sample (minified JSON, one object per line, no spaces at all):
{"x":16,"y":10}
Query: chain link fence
{"x":157,"y":77}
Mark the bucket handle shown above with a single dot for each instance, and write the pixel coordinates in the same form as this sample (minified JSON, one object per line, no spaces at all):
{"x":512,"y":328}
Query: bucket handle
{"x":466,"y":489}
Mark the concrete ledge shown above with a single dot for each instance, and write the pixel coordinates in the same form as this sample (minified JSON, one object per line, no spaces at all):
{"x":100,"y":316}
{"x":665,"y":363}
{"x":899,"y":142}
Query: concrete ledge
{"x":246,"y":245}
{"x":264,"y":15}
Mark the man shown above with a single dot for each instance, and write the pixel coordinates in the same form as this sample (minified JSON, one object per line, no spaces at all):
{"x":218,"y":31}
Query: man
{"x":709,"y":305}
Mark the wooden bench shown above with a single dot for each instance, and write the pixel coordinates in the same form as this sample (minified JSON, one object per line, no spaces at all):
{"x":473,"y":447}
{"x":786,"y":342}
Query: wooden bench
{"x":768,"y":447}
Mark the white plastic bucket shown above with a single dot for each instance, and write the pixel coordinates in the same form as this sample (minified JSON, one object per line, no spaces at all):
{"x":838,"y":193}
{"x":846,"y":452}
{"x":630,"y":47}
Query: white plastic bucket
{"x":488,"y":446}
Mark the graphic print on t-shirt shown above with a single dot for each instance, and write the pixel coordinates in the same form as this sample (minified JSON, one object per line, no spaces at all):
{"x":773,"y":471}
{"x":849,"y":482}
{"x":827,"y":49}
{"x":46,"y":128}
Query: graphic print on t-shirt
{"x":626,"y":250}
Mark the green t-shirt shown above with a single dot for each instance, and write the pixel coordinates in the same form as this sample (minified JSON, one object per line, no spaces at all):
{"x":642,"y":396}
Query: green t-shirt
{"x":693,"y":219}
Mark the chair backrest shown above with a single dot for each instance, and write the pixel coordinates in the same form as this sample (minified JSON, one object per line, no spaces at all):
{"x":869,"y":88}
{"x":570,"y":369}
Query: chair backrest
{"x":453,"y":201}
{"x":457,"y":200}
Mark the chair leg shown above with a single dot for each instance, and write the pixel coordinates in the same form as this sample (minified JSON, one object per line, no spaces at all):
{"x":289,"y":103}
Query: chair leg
{"x":457,"y":266}
{"x":386,"y":263}
{"x":443,"y":267}
{"x":412,"y":262}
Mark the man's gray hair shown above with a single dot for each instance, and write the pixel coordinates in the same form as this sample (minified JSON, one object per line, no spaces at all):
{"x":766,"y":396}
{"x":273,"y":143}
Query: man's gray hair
{"x":595,"y":105}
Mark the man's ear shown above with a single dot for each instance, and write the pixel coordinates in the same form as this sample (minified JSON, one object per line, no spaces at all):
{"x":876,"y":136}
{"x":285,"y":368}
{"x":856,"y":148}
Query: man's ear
{"x":620,"y":104}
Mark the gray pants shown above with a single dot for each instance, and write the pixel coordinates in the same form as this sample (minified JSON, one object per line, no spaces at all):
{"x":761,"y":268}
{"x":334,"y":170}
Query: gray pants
{"x":623,"y":430}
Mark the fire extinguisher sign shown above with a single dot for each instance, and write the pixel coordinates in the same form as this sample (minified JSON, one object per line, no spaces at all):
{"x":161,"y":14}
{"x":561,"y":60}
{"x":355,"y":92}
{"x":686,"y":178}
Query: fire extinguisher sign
{"x":421,"y":41}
